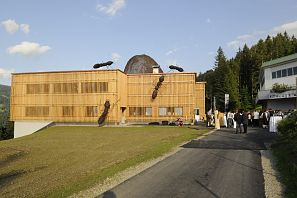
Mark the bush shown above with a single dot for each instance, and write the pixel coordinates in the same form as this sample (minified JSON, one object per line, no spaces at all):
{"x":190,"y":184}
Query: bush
{"x":280,"y":88}
{"x":285,"y":150}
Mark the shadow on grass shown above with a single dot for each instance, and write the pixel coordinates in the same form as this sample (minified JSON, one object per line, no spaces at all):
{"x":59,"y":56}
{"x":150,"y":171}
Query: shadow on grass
{"x":11,"y":158}
{"x":6,"y":178}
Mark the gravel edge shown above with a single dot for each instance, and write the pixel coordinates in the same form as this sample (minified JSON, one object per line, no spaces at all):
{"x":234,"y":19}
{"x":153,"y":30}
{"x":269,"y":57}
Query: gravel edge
{"x":119,"y":178}
{"x":272,"y":185}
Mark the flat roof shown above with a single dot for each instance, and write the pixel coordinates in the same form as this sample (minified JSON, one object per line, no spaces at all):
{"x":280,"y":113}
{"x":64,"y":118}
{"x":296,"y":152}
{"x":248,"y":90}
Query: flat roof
{"x":74,"y":71}
{"x":69,"y":71}
{"x":280,"y":61}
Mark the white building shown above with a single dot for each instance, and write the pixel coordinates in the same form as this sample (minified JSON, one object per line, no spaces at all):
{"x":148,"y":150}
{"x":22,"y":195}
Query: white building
{"x":282,"y":71}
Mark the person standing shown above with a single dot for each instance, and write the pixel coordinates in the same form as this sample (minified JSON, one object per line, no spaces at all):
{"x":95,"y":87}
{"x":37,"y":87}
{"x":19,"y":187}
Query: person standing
{"x":250,"y":121}
{"x":245,"y":121}
{"x":256,"y":119}
{"x":265,"y":119}
{"x":208,"y":118}
{"x":230,"y":117}
{"x":238,"y":117}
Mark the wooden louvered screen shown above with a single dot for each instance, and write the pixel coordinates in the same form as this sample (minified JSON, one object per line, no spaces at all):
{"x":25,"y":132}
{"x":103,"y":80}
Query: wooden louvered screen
{"x":94,"y":87}
{"x":37,"y":88}
{"x":65,"y":88}
{"x":67,"y":111}
{"x":37,"y":111}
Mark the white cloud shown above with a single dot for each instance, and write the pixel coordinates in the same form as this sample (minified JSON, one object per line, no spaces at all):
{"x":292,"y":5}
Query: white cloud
{"x":290,"y":28}
{"x":170,"y":52}
{"x":25,"y":28}
{"x":241,"y":40}
{"x":112,"y":8}
{"x":28,"y":48}
{"x":5,"y":73}
{"x":208,"y":20}
{"x":10,"y":26}
{"x":115,"y":57}
{"x":245,"y":37}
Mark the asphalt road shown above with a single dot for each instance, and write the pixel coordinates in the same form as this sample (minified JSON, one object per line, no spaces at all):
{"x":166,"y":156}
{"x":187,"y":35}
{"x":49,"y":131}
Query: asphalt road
{"x":223,"y":164}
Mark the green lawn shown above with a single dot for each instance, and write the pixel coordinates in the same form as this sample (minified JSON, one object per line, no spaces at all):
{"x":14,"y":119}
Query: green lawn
{"x":60,"y":161}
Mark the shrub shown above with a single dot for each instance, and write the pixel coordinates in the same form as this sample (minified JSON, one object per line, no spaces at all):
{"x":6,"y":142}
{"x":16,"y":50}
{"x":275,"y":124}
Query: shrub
{"x":280,"y":88}
{"x":285,"y":150}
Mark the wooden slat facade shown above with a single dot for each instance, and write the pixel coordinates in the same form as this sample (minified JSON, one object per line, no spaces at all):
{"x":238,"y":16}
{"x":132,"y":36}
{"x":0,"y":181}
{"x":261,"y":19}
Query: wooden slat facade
{"x":79,"y":96}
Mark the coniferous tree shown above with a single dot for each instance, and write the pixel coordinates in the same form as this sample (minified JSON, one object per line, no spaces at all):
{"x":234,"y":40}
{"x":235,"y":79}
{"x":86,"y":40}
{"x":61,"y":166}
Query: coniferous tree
{"x":240,"y":74}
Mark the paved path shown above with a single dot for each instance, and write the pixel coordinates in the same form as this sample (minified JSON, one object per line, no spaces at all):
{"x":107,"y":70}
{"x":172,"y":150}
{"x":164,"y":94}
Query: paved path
{"x":223,"y":164}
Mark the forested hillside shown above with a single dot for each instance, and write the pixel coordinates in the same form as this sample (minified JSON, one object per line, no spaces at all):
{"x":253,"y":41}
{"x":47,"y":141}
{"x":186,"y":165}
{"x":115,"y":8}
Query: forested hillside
{"x":238,"y":76}
{"x":6,"y":127}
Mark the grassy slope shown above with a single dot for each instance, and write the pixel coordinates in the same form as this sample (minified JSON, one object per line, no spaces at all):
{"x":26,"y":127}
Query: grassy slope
{"x":62,"y":160}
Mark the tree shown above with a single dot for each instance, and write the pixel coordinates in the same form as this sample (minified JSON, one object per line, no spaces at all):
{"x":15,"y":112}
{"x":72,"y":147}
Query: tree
{"x":239,"y":76}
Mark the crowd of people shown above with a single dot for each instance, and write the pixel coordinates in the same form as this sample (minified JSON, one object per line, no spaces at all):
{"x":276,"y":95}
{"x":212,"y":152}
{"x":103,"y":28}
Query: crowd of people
{"x":241,"y":119}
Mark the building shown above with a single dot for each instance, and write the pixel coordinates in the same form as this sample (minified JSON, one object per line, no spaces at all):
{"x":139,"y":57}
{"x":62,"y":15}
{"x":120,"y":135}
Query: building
{"x":282,"y":71}
{"x":41,"y":98}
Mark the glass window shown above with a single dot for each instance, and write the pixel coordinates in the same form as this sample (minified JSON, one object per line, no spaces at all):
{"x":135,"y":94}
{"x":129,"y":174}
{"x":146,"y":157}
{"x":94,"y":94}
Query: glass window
{"x":162,"y":111}
{"x":279,"y":74}
{"x":178,"y":111}
{"x":295,"y":70}
{"x":148,"y":111}
{"x":170,"y":111}
{"x":284,"y":73}
{"x":290,"y":71}
{"x":140,"y":111}
{"x":273,"y":75}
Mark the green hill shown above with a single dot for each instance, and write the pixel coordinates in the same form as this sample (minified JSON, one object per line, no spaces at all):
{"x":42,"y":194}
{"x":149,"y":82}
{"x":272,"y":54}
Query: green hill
{"x":4,"y":98}
{"x":6,"y":128}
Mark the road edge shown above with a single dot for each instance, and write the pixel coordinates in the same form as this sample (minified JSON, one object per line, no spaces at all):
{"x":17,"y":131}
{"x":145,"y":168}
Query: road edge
{"x":272,"y":185}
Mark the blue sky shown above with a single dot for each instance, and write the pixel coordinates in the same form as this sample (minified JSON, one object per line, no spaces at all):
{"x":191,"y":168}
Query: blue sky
{"x":74,"y":35}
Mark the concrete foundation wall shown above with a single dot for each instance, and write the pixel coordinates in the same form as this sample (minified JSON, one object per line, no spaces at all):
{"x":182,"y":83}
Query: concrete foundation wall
{"x":22,"y":128}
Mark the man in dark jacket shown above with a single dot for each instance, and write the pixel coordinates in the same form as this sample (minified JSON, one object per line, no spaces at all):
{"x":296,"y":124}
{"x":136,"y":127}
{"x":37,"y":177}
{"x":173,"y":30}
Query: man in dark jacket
{"x":238,"y":117}
{"x":245,"y":121}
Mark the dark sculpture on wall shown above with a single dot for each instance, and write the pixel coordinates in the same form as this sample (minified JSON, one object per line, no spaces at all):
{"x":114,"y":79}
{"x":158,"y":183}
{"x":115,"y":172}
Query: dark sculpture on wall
{"x":98,"y":65}
{"x":176,"y":68}
{"x":104,"y":114}
{"x":157,"y":87}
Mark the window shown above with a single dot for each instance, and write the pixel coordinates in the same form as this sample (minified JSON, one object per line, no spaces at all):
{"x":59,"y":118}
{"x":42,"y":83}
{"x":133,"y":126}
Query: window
{"x":284,"y":73}
{"x":170,"y":111}
{"x":148,"y":111}
{"x":290,"y":71}
{"x":273,"y":75}
{"x":94,"y":87}
{"x":295,"y":70}
{"x":140,"y":111}
{"x":65,"y":88}
{"x":68,"y":111}
{"x":37,"y":111}
{"x":178,"y":111}
{"x":91,"y":111}
{"x":279,"y":73}
{"x":37,"y":88}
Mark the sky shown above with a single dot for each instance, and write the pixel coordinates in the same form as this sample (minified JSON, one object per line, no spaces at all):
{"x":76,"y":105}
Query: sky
{"x":55,"y":35}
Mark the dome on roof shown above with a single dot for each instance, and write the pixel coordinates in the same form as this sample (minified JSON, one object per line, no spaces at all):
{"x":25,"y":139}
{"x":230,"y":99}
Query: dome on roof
{"x":141,"y":64}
